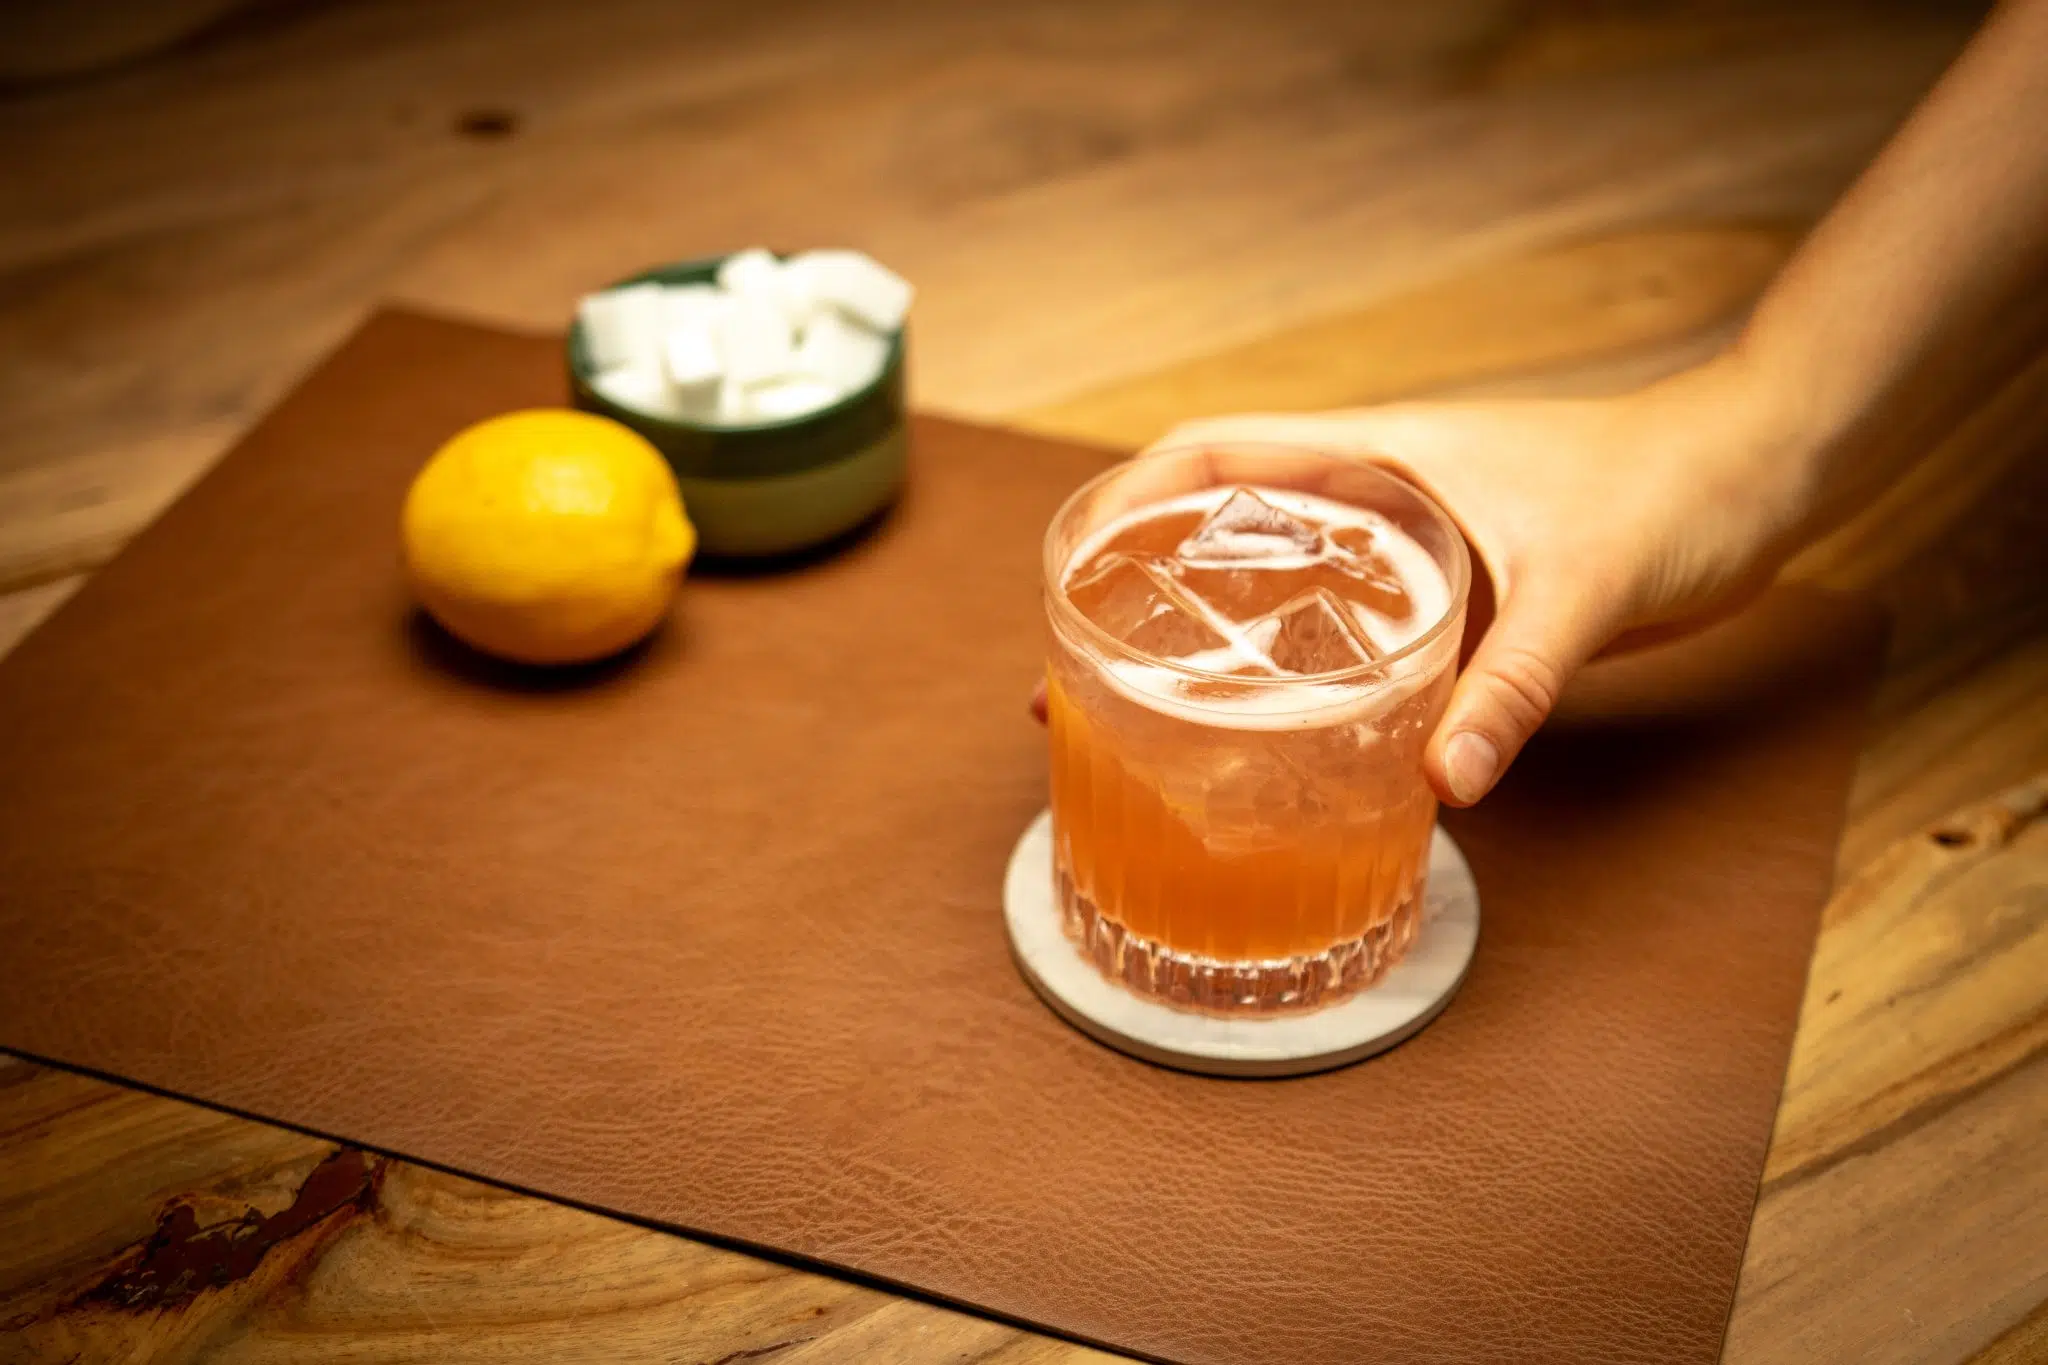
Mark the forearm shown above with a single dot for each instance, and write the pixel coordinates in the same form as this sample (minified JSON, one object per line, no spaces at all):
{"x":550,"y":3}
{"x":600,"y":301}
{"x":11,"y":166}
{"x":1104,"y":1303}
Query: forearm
{"x":1919,"y":293}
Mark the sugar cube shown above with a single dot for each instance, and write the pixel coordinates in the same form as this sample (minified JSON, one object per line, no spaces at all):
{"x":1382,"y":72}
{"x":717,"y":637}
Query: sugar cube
{"x":733,"y":405}
{"x":623,"y":326}
{"x":790,"y":397}
{"x":800,"y":302}
{"x":642,"y":388}
{"x":754,"y":339}
{"x":753,"y":271}
{"x":844,"y":354}
{"x":857,"y":285}
{"x":691,"y":305}
{"x":690,"y":358}
{"x":757,"y":273}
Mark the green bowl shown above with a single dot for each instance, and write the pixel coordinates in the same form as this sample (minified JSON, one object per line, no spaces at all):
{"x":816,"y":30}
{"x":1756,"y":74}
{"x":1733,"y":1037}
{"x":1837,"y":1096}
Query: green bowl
{"x":761,"y":489}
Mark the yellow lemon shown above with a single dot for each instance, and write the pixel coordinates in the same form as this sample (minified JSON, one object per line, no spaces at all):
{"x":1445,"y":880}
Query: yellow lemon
{"x":546,"y":537}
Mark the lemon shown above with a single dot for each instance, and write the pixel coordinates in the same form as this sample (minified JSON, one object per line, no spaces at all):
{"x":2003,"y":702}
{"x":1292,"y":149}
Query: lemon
{"x":546,"y":537}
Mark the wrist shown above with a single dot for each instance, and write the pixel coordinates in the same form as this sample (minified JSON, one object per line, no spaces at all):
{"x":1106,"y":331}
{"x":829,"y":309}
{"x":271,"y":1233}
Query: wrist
{"x":1752,"y":439}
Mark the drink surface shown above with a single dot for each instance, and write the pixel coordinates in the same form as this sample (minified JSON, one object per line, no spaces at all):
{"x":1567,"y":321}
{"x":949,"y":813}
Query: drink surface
{"x":1254,"y":583}
{"x":1249,"y":790}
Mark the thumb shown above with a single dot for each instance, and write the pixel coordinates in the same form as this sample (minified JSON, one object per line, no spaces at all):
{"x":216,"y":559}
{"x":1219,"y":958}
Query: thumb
{"x":1541,"y":637}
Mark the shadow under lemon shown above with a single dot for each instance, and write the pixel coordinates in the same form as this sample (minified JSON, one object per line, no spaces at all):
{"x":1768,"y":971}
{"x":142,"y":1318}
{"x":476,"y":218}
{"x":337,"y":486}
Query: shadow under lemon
{"x":432,"y":646}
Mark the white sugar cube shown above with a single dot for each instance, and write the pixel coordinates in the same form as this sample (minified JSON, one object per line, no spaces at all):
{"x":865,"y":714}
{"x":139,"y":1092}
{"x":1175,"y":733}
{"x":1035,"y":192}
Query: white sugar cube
{"x":691,"y":358}
{"x":691,"y":305}
{"x":623,"y":326}
{"x":753,"y":271}
{"x":844,"y":354}
{"x":733,"y":404}
{"x":792,"y":397}
{"x":800,"y":304}
{"x":856,"y":284}
{"x":642,"y":388}
{"x":754,"y":339}
{"x":756,"y":273}
{"x":690,"y":355}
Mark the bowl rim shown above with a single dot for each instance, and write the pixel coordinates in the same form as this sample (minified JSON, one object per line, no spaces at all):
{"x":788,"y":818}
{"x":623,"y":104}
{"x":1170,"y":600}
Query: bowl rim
{"x":577,"y":353}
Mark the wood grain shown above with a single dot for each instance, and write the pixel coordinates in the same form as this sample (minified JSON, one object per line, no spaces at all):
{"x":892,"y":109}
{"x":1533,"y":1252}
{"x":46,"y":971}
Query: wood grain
{"x":1921,"y":1061}
{"x":2022,"y":1344}
{"x":1566,"y":307}
{"x":1118,"y":216}
{"x":1904,"y":942}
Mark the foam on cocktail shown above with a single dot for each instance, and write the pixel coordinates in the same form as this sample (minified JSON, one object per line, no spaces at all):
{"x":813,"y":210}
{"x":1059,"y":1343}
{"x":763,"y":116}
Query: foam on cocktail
{"x":1284,"y":538}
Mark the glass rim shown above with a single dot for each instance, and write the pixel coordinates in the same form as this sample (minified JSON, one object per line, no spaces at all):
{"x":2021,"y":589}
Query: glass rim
{"x":1458,"y":573}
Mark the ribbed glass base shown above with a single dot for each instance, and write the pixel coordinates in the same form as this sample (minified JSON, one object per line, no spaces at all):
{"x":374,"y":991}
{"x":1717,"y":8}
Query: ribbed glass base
{"x":1270,"y":986}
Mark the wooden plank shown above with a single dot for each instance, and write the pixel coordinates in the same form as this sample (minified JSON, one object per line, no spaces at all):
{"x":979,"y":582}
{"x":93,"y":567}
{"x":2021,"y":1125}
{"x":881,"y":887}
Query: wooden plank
{"x":1940,"y":1238}
{"x":1907,"y":1009}
{"x":1566,"y":307}
{"x":1910,"y":1140}
{"x":2026,"y":1343}
{"x":1937,"y":740}
{"x":43,"y":41}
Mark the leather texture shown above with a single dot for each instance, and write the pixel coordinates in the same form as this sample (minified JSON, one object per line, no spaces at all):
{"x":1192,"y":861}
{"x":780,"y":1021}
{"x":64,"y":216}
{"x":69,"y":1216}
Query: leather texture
{"x":711,"y":936}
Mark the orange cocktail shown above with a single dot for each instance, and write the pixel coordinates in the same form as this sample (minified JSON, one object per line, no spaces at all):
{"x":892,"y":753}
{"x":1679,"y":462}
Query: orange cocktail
{"x":1250,"y":647}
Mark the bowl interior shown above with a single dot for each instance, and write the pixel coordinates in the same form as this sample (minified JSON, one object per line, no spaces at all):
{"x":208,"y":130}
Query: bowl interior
{"x":705,"y":271}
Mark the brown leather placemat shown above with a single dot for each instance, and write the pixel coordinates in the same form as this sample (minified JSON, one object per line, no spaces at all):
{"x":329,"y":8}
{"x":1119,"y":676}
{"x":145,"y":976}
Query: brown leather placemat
{"x":712,"y":938}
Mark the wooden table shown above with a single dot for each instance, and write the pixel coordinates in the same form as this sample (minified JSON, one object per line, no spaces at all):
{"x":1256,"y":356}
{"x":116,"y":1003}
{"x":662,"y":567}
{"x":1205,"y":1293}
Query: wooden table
{"x":1118,"y":215}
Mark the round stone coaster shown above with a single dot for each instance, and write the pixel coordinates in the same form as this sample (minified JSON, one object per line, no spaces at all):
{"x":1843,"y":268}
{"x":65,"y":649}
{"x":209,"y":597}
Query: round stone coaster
{"x":1411,"y":994}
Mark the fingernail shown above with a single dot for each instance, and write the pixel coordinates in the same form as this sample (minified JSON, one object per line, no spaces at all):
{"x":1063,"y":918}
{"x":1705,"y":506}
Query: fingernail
{"x":1470,"y":762}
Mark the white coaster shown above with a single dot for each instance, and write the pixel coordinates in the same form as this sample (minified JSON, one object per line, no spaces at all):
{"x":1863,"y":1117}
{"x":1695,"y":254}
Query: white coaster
{"x":1411,"y":994}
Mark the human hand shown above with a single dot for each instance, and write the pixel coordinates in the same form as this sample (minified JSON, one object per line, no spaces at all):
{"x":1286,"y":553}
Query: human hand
{"x":1602,"y":523}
